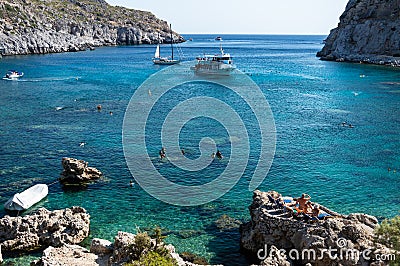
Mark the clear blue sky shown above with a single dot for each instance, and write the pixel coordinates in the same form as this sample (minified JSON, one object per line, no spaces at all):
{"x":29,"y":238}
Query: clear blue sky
{"x":244,"y":16}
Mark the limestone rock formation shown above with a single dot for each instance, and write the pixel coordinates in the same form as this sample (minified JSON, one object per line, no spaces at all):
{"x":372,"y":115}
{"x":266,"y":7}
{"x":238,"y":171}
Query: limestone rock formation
{"x":101,"y":246}
{"x":270,"y":227}
{"x":53,"y":26}
{"x":102,"y":253}
{"x":44,"y":228}
{"x":368,"y":31}
{"x":77,"y":172}
{"x":69,"y":255}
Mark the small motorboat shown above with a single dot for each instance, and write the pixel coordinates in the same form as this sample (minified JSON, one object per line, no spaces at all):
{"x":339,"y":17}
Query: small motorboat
{"x":27,"y":198}
{"x":13,"y":74}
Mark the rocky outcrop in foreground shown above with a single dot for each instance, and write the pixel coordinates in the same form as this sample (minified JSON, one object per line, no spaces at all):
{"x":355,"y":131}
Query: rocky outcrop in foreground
{"x":77,"y":172}
{"x":53,"y":26}
{"x":271,"y":229}
{"x":102,"y":252}
{"x":44,"y":228}
{"x":368,"y":32}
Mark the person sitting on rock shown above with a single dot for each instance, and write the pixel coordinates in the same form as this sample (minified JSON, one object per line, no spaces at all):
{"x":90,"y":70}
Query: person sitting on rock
{"x":315,"y":211}
{"x":309,"y":208}
{"x":302,"y":201}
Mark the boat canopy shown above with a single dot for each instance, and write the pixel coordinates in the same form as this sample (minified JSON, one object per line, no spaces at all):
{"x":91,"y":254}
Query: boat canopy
{"x":26,"y":199}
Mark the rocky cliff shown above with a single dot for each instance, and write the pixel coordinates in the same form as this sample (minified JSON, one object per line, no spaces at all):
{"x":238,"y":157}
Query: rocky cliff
{"x":52,"y":26}
{"x":368,"y":32}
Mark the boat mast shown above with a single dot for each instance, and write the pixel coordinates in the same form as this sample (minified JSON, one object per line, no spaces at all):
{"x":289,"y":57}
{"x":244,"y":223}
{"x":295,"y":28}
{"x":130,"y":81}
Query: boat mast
{"x":172,"y":41}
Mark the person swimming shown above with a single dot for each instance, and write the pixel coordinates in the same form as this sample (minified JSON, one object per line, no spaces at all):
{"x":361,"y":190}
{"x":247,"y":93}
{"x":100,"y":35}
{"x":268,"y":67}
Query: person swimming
{"x":219,"y":155}
{"x":162,"y":153}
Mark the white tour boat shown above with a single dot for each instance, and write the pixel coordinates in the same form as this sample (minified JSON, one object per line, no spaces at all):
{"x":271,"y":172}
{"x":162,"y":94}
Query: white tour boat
{"x":218,"y":64}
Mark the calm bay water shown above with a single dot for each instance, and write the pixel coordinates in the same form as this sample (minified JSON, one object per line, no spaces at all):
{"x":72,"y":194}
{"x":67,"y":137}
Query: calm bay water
{"x":52,"y":109}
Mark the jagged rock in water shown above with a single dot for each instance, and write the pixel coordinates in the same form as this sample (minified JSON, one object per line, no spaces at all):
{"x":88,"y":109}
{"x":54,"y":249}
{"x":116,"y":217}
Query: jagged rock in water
{"x":269,"y":227}
{"x":77,"y":172}
{"x":368,"y":32}
{"x":44,"y":228}
{"x":53,"y":26}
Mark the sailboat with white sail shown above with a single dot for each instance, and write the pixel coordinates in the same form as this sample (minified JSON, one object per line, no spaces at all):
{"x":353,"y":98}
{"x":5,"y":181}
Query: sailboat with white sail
{"x":158,"y":60}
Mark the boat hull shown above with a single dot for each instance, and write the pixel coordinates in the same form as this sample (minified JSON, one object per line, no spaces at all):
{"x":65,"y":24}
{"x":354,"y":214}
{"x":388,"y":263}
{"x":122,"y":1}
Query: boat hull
{"x":13,"y":76}
{"x":27,"y":198}
{"x":213,"y":69}
{"x":166,"y":62}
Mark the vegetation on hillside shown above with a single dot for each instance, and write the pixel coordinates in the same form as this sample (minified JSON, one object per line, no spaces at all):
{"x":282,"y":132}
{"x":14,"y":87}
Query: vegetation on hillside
{"x":46,"y":13}
{"x":388,"y":234}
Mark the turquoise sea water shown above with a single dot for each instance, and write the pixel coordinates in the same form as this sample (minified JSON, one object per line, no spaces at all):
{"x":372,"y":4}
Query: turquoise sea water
{"x":343,"y":168}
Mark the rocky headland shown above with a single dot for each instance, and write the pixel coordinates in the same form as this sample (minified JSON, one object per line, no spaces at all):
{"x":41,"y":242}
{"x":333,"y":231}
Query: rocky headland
{"x":53,"y":26}
{"x":368,"y":32}
{"x":278,"y":239}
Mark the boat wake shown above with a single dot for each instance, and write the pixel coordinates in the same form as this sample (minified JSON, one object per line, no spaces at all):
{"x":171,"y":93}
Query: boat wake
{"x":51,"y":79}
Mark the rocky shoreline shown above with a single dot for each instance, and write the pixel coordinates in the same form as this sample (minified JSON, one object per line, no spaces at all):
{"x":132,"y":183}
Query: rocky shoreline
{"x":271,"y":237}
{"x":102,"y":253}
{"x":368,"y":32}
{"x":59,"y":232}
{"x":276,"y":238}
{"x":54,"y":26}
{"x":44,"y":228}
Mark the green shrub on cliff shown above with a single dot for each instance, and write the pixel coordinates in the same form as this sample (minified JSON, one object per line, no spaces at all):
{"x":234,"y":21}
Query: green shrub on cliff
{"x":150,"y":253}
{"x":142,"y":244}
{"x":152,"y":258}
{"x":388,"y":233}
